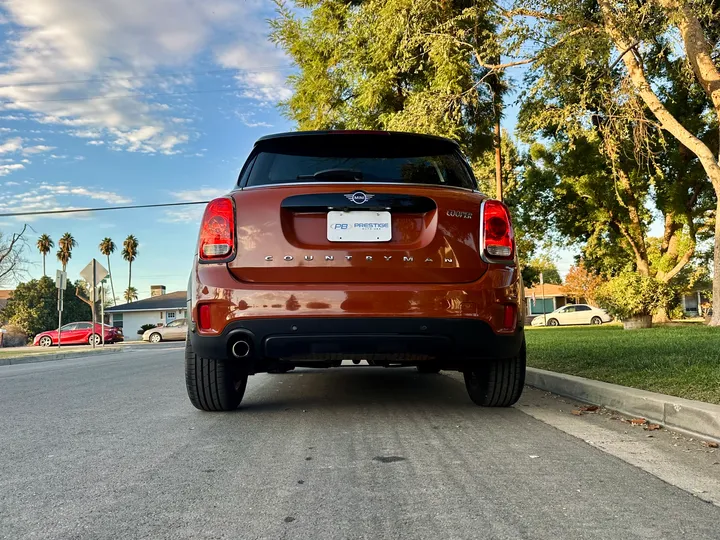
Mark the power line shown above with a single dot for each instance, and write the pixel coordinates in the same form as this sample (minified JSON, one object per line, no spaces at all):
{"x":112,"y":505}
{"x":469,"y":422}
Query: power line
{"x":156,"y":75}
{"x":101,"y":209}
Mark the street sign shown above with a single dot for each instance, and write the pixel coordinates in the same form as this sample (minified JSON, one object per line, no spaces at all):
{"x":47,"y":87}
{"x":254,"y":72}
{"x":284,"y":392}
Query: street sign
{"x":95,"y":278}
{"x":93,"y":274}
{"x":61,"y":280}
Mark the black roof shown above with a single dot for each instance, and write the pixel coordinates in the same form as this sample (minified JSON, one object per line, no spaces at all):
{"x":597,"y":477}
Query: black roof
{"x":350,"y":138}
{"x":174,"y":300}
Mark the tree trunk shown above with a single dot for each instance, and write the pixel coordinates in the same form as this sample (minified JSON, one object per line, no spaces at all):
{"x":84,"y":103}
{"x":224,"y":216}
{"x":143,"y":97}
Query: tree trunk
{"x":715,"y":320}
{"x":44,"y":272}
{"x":129,"y":277}
{"x":661,"y":316}
{"x":112,"y":287}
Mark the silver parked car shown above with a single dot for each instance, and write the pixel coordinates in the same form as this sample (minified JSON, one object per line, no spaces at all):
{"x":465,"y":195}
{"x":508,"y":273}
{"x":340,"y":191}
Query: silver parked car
{"x":176,"y":330}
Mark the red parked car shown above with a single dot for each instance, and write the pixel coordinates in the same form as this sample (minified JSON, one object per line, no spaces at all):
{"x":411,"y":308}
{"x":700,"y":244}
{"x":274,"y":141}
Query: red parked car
{"x":79,"y":333}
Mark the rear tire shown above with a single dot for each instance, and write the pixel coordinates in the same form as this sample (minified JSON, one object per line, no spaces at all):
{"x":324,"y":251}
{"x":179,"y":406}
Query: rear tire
{"x":497,"y":383}
{"x":213,"y":385}
{"x":96,"y":338}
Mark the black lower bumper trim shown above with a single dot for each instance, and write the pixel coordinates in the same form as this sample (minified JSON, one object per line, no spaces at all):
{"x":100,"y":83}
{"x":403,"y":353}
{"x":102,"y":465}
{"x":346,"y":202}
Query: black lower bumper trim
{"x":295,"y":338}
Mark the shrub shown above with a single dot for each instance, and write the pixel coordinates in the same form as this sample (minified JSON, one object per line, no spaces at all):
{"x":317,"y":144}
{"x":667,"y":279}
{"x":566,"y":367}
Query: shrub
{"x":14,"y":336}
{"x":145,"y":327}
{"x":632,"y":295}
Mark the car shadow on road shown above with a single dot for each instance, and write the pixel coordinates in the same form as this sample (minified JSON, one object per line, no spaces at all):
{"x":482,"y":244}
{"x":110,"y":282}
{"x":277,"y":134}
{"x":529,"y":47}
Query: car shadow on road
{"x":358,"y":388}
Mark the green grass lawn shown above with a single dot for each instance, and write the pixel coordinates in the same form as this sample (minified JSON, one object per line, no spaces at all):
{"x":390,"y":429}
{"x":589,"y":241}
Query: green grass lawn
{"x":681,"y":361}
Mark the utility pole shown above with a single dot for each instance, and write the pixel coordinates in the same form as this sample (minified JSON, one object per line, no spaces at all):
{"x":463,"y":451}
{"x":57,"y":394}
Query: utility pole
{"x":60,"y":283}
{"x":542,"y":285}
{"x":102,"y":310}
{"x":93,"y":288}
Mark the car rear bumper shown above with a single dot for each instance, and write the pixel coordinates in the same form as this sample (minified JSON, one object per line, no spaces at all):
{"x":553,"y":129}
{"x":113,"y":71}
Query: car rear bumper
{"x":394,"y":340}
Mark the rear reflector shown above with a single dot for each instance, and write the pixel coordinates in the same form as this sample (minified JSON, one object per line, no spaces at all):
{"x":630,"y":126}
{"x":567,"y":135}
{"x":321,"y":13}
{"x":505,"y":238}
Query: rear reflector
{"x":217,"y":231}
{"x":498,"y":239}
{"x":204,"y":322}
{"x":509,"y":318}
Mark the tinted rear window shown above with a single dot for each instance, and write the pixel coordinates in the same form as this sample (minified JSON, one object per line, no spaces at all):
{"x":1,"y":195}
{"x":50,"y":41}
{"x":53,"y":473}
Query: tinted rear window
{"x":283,"y":168}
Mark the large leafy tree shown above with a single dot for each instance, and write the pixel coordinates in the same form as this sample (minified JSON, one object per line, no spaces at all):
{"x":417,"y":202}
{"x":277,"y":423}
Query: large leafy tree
{"x":33,"y":306}
{"x":12,"y":260}
{"x":406,"y":65}
{"x":641,"y":60}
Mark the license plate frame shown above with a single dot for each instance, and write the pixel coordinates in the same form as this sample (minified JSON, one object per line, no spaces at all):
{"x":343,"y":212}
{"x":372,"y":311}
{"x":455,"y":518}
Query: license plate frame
{"x":359,"y":226}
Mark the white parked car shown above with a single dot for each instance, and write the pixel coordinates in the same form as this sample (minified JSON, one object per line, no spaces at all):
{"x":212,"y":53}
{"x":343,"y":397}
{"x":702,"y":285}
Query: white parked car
{"x":573,"y":314}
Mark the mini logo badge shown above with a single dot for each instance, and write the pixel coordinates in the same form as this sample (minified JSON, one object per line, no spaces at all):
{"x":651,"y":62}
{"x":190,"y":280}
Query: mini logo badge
{"x":359,"y":197}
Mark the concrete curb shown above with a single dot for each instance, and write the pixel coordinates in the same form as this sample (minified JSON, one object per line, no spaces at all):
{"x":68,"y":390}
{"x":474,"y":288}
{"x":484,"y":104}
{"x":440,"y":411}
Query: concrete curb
{"x":34,"y":358}
{"x":695,"y":418}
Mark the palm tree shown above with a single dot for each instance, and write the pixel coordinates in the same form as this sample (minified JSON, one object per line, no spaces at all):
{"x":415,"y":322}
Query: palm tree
{"x":44,"y":245}
{"x":66,"y":244}
{"x":107,"y":247}
{"x":130,"y":253}
{"x":130,"y":294}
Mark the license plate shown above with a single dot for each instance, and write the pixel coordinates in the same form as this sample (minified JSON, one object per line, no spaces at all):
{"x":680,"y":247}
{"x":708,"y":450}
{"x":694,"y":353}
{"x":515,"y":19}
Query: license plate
{"x":359,"y":226}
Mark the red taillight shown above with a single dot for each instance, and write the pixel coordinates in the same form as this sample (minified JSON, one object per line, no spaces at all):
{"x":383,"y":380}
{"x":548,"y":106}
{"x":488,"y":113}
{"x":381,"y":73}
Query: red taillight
{"x":509,"y":317}
{"x":498,"y":239}
{"x":204,"y":322}
{"x":217,"y":231}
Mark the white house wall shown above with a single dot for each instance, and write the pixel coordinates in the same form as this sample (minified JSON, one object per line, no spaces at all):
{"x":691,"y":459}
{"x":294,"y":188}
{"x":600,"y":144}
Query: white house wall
{"x":133,"y":320}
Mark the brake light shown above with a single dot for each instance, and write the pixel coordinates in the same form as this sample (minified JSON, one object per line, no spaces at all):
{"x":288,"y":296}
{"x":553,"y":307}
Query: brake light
{"x":497,"y":237}
{"x":217,"y":231}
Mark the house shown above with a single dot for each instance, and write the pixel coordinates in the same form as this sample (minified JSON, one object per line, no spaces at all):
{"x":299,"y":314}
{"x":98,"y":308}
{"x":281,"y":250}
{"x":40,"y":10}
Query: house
{"x":159,"y":310}
{"x":5,"y":295}
{"x":693,"y":301}
{"x":547,"y":298}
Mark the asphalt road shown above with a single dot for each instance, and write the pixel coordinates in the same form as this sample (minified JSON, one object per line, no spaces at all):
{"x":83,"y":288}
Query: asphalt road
{"x":110,"y":447}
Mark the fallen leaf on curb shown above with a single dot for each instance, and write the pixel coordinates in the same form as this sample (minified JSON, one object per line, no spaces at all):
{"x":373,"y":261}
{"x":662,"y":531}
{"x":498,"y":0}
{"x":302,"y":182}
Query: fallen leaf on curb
{"x":576,"y":412}
{"x":638,"y":421}
{"x":652,"y":427}
{"x":711,"y":444}
{"x":589,"y":408}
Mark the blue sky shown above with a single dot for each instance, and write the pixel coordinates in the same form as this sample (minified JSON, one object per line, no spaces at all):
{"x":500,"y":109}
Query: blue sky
{"x":105,"y":102}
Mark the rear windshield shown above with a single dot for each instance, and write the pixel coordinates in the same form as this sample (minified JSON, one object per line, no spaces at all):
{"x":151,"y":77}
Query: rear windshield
{"x":282,"y":168}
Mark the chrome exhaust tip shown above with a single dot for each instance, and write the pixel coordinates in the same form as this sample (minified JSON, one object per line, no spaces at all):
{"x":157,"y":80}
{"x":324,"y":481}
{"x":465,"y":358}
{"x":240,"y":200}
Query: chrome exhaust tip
{"x":240,"y":349}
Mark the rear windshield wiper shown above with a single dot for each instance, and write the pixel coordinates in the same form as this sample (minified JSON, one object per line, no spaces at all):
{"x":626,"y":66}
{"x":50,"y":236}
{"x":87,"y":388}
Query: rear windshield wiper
{"x":333,"y":174}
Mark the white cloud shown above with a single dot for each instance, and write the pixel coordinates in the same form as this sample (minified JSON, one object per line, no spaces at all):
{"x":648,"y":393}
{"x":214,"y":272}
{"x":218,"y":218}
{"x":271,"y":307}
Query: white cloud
{"x":48,"y":197}
{"x":247,"y":119}
{"x":7,"y":169}
{"x":105,"y":196}
{"x":117,"y":49}
{"x":190,"y":214}
{"x":12,"y":184}
{"x":203,"y":194}
{"x":252,"y":57}
{"x":11,"y":145}
{"x":39,"y":149}
{"x":96,"y":143}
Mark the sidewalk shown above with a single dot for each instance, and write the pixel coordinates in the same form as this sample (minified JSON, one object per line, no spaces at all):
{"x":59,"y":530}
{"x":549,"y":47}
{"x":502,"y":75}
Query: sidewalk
{"x":695,"y":418}
{"x":26,"y":355}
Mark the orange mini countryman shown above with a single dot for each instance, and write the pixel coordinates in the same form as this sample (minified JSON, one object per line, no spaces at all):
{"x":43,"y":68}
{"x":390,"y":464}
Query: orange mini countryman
{"x":355,"y":245}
